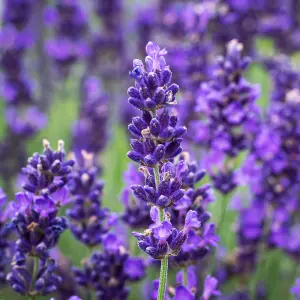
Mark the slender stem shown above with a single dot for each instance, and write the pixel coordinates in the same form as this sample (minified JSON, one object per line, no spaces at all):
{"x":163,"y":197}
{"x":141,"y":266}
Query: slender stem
{"x":225,"y":200}
{"x":156,"y":176}
{"x":163,"y":276}
{"x":184,"y":276}
{"x":224,"y":210}
{"x":32,"y":296}
{"x":161,"y":214}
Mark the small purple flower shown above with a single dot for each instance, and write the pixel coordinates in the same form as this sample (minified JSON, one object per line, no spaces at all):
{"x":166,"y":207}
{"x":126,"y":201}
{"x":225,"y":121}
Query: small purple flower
{"x":209,"y":236}
{"x":20,"y":278}
{"x":186,"y":292}
{"x":69,"y":22}
{"x":134,"y":268}
{"x":191,"y":220}
{"x":136,"y":212}
{"x":162,"y":232}
{"x":210,"y":288}
{"x":36,"y":224}
{"x":295,"y":290}
{"x":182,"y":293}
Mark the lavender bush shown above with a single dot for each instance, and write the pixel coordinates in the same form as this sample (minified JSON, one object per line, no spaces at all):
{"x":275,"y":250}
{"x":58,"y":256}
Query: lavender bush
{"x":187,"y":188}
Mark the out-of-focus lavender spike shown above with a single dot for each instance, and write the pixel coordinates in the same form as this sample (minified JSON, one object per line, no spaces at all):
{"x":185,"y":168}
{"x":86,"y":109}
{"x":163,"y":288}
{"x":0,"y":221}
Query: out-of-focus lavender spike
{"x":90,"y":130}
{"x":285,"y":78}
{"x":23,"y":117}
{"x":70,"y":26}
{"x":108,"y":272}
{"x":109,"y":44}
{"x":230,"y":114}
{"x":89,"y":221}
{"x":245,"y":20}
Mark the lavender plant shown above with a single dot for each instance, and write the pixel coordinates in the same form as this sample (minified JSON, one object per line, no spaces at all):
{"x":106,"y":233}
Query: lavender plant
{"x":70,"y":25}
{"x":230,"y":115}
{"x":36,"y":223}
{"x":156,"y":142}
{"x":90,"y":130}
{"x":89,"y":221}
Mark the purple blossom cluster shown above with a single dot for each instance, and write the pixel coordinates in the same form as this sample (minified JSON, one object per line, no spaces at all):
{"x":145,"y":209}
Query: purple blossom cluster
{"x":89,"y":221}
{"x":90,"y":130}
{"x":36,"y":222}
{"x":70,"y":25}
{"x":229,"y":112}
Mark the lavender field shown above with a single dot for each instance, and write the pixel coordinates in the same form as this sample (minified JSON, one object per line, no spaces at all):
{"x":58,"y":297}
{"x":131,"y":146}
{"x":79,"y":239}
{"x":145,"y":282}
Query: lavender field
{"x":150,"y":149}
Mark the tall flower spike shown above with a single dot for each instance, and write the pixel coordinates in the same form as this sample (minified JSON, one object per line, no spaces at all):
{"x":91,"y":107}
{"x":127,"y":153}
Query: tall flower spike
{"x":156,"y":141}
{"x":228,"y":102}
{"x":229,"y":112}
{"x":90,"y":130}
{"x":37,"y":226}
{"x":70,"y":24}
{"x":89,"y":221}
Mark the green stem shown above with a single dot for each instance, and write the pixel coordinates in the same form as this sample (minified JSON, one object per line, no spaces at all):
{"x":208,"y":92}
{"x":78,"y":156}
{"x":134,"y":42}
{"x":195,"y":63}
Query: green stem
{"x":225,"y":201}
{"x":34,"y":276}
{"x":161,"y":214}
{"x":163,"y":276}
{"x":156,"y":176}
{"x":184,"y":276}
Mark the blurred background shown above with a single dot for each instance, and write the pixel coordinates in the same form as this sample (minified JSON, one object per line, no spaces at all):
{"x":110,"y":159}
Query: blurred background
{"x":64,"y":75}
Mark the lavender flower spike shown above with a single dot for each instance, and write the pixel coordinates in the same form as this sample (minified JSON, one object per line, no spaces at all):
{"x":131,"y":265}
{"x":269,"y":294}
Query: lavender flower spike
{"x":156,"y":139}
{"x":36,"y":223}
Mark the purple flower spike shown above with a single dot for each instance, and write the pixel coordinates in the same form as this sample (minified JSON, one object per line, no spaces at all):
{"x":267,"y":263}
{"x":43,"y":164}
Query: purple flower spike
{"x":228,"y":102}
{"x":89,"y":220}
